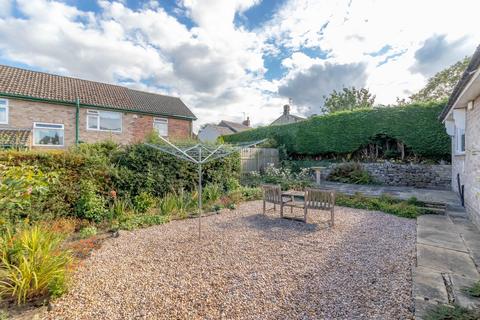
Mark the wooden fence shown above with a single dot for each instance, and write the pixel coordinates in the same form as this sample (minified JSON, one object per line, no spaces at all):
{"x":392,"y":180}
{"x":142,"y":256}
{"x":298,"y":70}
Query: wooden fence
{"x":256,"y":159}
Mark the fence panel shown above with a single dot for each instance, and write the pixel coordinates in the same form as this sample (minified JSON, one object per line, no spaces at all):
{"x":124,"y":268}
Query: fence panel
{"x":256,"y":159}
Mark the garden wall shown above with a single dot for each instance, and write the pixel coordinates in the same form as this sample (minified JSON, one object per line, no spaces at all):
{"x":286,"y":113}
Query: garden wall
{"x":414,"y":175}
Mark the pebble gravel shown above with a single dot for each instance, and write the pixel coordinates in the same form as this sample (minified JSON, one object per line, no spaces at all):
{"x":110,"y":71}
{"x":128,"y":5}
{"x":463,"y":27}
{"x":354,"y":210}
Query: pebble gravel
{"x":250,"y":266}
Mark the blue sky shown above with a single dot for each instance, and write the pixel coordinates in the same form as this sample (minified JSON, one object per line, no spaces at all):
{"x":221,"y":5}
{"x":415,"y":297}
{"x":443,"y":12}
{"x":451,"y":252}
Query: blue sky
{"x":228,"y":59}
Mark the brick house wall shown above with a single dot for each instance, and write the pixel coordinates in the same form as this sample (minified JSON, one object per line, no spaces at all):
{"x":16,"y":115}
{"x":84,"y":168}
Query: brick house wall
{"x":468,"y":165}
{"x":135,"y":127}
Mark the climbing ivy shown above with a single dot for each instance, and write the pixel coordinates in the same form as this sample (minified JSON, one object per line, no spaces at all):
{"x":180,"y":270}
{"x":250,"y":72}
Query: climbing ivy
{"x":343,"y":133}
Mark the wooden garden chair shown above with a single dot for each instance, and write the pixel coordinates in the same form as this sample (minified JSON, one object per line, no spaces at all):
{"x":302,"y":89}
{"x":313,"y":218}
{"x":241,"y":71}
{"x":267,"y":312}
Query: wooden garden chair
{"x":320,"y":199}
{"x":272,"y":194}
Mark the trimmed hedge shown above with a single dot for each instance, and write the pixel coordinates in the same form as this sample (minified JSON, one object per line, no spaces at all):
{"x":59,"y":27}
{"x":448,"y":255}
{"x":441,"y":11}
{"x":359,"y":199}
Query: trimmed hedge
{"x":343,"y":133}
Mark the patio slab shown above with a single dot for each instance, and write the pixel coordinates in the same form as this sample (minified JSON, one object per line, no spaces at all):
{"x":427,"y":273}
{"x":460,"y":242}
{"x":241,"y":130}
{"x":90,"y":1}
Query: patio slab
{"x":439,"y":231}
{"x":459,"y":284}
{"x":429,"y":286}
{"x":446,"y":260}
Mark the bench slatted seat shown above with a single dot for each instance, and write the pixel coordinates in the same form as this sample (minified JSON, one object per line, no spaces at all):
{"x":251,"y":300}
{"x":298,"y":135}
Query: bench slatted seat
{"x":320,"y":199}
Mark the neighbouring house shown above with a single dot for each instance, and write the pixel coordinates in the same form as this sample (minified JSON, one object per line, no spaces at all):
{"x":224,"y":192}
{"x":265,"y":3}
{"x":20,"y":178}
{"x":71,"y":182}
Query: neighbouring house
{"x":287,"y":117}
{"x":42,"y":110}
{"x":461,"y":117}
{"x":210,"y":132}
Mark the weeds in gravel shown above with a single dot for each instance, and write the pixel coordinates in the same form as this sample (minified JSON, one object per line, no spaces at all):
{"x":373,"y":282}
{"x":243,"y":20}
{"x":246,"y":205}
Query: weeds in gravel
{"x":32,"y":264}
{"x":444,"y":312}
{"x":473,"y":291}
{"x":387,"y":204}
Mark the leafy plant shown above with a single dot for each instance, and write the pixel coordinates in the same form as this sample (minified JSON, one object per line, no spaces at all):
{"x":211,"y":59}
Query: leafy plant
{"x":384,"y":203}
{"x":32,"y":264}
{"x":211,"y":193}
{"x":251,"y":193}
{"x":445,"y":312}
{"x":474,"y":290}
{"x":88,"y":232}
{"x":143,"y":201}
{"x":348,"y":99}
{"x":91,"y":206}
{"x":232,"y":184}
{"x":350,"y":172}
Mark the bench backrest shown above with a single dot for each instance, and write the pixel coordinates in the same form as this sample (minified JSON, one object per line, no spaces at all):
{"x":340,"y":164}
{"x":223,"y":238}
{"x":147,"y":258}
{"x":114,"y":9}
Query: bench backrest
{"x":319,"y":199}
{"x":272,"y":193}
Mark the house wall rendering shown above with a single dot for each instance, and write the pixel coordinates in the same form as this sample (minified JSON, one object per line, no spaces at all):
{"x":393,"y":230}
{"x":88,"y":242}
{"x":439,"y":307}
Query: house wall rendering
{"x":54,"y":125}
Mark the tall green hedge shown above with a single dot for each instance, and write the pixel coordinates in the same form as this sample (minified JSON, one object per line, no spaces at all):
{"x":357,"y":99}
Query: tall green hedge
{"x":341,"y":133}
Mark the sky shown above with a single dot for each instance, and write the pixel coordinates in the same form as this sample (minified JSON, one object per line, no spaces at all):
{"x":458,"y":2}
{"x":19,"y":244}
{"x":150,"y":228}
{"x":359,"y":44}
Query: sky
{"x":229,"y":59}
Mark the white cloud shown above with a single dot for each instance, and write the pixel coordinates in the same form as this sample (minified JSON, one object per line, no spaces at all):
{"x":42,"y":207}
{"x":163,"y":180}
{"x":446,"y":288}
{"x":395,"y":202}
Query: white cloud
{"x":217,"y":67}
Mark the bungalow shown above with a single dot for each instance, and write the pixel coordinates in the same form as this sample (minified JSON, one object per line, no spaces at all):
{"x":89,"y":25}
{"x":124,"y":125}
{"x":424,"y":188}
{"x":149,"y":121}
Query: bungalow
{"x":42,"y":110}
{"x":210,"y":132}
{"x":461,"y":117}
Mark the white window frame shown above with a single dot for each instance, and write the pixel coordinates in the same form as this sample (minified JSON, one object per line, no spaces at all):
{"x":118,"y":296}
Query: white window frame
{"x":35,"y":124}
{"x":163,"y":121}
{"x":459,"y":132}
{"x":6,"y":111}
{"x":97,"y":113}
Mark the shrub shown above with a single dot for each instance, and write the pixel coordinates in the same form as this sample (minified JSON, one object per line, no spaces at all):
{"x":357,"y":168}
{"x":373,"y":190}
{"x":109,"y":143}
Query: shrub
{"x":130,"y":222}
{"x":143,"y":201}
{"x":211,"y":193}
{"x":343,"y":133}
{"x":21,"y":189}
{"x":33,"y":264}
{"x":120,"y":207}
{"x":90,"y":205}
{"x":445,"y":312}
{"x":473,"y":291}
{"x":232,"y":184}
{"x":350,"y":172}
{"x":384,"y":203}
{"x":88,"y":232}
{"x":251,"y":193}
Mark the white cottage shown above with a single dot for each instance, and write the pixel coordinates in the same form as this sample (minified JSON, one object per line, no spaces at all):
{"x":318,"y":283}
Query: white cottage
{"x":461,"y":117}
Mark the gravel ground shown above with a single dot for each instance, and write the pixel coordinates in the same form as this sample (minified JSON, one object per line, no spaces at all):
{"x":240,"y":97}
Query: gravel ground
{"x":250,"y":266}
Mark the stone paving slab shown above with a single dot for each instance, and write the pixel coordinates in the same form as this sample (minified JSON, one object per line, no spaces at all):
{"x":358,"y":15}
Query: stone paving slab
{"x":429,"y":286}
{"x":459,"y":283}
{"x":439,"y":231}
{"x":446,"y":260}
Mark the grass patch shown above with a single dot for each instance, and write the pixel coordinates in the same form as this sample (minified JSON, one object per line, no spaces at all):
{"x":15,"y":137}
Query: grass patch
{"x":444,"y":312}
{"x":403,"y":208}
{"x":473,"y":291}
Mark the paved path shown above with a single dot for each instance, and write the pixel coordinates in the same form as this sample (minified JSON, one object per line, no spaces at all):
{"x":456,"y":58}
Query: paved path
{"x":448,"y":260}
{"x":431,"y":195}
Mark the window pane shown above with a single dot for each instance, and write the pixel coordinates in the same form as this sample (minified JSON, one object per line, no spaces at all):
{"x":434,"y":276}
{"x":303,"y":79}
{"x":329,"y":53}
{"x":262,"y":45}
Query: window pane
{"x":3,"y":102}
{"x":48,"y":137}
{"x":3,"y":114}
{"x":92,"y":122}
{"x":161,"y":128}
{"x":462,"y":142}
{"x":48,"y":126}
{"x":111,"y":121}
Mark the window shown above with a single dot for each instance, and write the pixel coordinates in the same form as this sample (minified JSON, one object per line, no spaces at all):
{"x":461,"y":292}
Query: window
{"x":3,"y":111}
{"x":161,"y":126}
{"x":104,"y":121}
{"x":48,"y":134}
{"x":460,"y":141}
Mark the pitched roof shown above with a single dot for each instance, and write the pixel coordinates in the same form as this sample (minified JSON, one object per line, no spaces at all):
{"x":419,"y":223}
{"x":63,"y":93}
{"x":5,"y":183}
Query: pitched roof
{"x":40,"y":85}
{"x":14,"y":137}
{"x":234,"y":126}
{"x":464,"y":80}
{"x":222,"y":130}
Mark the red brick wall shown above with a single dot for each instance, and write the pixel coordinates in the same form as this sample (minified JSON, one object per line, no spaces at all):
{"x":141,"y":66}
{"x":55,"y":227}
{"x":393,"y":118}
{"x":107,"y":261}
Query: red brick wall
{"x":135,"y":127}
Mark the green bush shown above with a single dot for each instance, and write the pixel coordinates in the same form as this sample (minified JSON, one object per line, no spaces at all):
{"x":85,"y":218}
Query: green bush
{"x":143,"y":201}
{"x":350,"y":172}
{"x":32,"y":264}
{"x":384,"y":203}
{"x":90,"y":205}
{"x":343,"y":133}
{"x":232,"y":184}
{"x":473,"y":291}
{"x":211,"y":193}
{"x":251,"y":193}
{"x":88,"y":232}
{"x":445,"y":312}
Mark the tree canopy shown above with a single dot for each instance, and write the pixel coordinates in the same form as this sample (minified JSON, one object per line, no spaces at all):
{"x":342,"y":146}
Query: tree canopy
{"x":348,"y":99}
{"x":440,"y":86}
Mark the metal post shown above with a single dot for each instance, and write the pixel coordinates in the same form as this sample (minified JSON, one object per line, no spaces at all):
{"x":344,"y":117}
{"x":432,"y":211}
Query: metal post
{"x":199,"y":192}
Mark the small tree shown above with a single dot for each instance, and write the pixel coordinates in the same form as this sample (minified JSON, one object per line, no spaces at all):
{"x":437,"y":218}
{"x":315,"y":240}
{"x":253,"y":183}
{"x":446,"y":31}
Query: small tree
{"x":348,"y":99}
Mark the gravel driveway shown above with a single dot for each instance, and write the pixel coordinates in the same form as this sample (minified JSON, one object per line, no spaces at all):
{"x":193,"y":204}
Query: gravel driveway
{"x":250,"y":266}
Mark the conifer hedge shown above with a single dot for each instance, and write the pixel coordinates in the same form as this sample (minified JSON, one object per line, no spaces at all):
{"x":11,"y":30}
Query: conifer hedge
{"x":342,"y":133}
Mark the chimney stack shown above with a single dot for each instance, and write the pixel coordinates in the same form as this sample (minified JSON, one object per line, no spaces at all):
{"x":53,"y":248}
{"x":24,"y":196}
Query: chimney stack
{"x":286,"y":109}
{"x":246,"y":122}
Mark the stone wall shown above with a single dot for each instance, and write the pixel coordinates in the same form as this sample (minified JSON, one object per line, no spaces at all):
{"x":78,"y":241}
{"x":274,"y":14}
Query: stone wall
{"x":414,"y":175}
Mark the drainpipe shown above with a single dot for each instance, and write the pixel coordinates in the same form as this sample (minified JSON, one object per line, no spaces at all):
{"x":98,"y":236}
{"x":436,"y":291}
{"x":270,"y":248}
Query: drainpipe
{"x":77,"y":120}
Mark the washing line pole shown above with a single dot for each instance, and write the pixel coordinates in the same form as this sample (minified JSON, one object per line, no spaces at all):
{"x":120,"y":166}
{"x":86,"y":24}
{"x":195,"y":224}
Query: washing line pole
{"x":199,"y":193}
